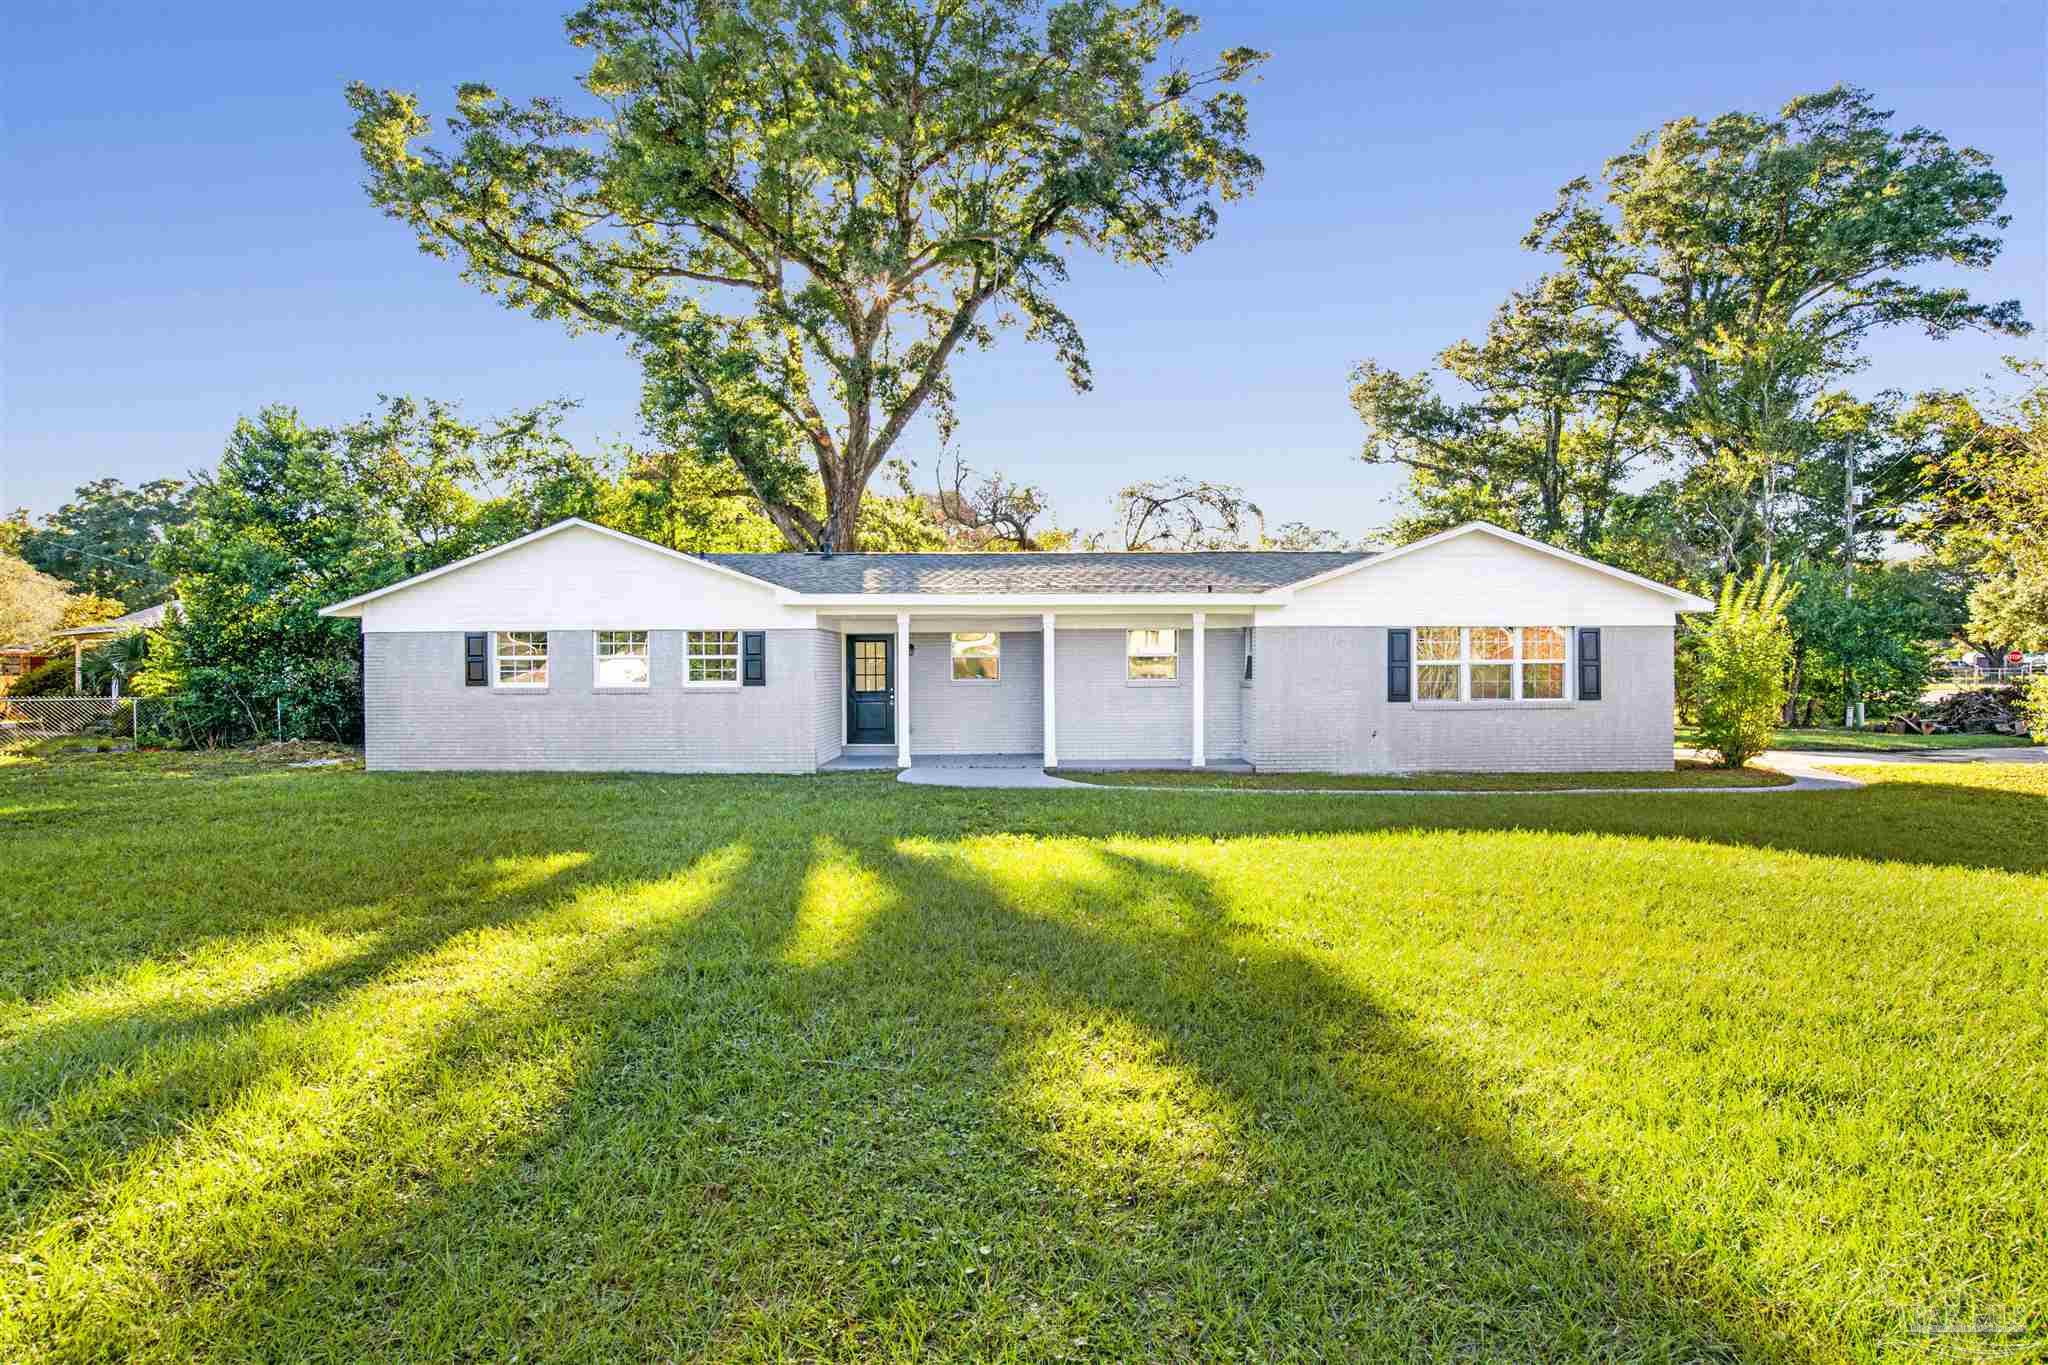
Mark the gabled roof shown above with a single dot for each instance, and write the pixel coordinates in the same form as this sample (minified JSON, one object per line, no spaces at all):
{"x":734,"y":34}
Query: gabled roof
{"x":146,"y":618}
{"x":1686,"y":601}
{"x":1039,"y":572}
{"x":347,"y":608}
{"x":1237,"y":573}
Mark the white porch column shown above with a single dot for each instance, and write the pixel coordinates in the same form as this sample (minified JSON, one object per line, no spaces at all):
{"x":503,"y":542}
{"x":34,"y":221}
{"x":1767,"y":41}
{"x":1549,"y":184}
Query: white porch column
{"x":902,"y":689}
{"x":1200,"y":759}
{"x":1052,"y":748}
{"x":77,"y":664}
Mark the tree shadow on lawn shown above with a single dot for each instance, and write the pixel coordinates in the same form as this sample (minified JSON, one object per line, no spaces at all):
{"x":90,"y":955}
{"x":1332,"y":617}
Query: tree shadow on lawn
{"x":1096,"y":1116}
{"x":88,"y":1089}
{"x":1174,"y":1138}
{"x":358,"y":861}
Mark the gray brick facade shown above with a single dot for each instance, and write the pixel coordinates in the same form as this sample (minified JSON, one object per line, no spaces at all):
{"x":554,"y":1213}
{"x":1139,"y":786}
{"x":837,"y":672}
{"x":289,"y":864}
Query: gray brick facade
{"x":1103,"y":718}
{"x":418,"y":714}
{"x":1318,"y":703}
{"x":828,"y":652}
{"x":1006,"y":716}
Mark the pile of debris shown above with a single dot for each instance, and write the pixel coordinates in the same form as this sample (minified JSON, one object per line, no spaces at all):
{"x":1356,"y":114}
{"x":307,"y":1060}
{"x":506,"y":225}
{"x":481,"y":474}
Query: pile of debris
{"x":1982,"y":710}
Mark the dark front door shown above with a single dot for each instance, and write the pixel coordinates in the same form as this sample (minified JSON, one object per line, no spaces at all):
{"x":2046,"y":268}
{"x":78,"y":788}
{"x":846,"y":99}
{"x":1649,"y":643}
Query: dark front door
{"x":870,"y":689}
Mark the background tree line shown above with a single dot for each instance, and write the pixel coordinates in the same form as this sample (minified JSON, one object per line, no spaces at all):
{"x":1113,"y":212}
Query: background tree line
{"x":298,"y":516}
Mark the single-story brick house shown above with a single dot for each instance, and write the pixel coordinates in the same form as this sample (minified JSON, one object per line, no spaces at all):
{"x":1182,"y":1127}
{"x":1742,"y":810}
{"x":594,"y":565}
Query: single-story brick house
{"x":582,"y":648}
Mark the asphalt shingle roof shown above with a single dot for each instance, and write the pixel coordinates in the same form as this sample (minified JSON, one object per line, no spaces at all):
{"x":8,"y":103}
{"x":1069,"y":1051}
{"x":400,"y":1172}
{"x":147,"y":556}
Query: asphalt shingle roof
{"x":1239,"y":571}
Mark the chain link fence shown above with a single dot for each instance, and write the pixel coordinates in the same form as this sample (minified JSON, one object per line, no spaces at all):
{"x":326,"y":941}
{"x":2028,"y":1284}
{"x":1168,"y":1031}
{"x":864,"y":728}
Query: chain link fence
{"x":62,"y":717}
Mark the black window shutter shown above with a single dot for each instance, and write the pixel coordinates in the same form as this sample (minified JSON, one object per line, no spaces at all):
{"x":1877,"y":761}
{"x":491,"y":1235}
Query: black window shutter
{"x":1398,"y":669}
{"x":1589,"y":664}
{"x":476,"y":660}
{"x":754,"y":658}
{"x":1249,"y":643}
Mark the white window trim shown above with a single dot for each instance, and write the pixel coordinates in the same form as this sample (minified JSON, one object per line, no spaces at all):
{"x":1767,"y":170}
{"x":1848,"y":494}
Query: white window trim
{"x":498,"y":685}
{"x":713,"y":685}
{"x":1463,"y":663}
{"x":1174,"y":654}
{"x":597,"y":683}
{"x":952,"y":658}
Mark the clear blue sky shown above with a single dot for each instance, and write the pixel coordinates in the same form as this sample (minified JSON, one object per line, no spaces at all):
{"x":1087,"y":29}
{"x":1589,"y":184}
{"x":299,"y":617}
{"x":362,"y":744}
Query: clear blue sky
{"x":186,"y":240}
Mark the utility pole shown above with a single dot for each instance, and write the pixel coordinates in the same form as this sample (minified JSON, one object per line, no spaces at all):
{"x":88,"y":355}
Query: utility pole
{"x":1852,"y":706}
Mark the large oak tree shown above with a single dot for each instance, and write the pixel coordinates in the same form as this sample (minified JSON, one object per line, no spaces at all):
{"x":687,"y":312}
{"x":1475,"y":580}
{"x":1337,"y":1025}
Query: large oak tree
{"x":1721,"y":278}
{"x":796,"y":211}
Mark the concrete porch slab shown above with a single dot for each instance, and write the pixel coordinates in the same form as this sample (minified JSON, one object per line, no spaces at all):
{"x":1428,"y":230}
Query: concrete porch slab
{"x":859,"y":763}
{"x":854,"y":762}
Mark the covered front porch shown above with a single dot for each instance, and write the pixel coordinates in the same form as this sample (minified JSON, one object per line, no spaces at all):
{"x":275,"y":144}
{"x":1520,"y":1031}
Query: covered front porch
{"x":1048,"y":688}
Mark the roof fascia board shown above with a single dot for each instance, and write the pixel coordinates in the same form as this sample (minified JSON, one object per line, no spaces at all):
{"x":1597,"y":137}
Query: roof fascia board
{"x":1029,"y":602}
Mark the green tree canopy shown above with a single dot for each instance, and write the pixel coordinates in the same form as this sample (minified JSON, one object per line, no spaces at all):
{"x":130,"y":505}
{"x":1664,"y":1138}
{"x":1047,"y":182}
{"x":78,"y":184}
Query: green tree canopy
{"x":795,"y":211}
{"x":32,"y":603}
{"x":1558,"y":418}
{"x":105,"y":540}
{"x":1810,"y":222}
{"x":1981,"y":503}
{"x":1710,"y":295}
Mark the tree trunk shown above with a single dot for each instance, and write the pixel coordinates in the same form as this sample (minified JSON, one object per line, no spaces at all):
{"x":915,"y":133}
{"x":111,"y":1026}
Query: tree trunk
{"x":842,"y":516}
{"x":1789,"y":712}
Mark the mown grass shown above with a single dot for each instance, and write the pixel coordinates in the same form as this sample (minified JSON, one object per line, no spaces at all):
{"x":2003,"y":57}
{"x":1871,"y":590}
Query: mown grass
{"x":1685,"y":773}
{"x":320,"y":1065}
{"x":1834,"y":739}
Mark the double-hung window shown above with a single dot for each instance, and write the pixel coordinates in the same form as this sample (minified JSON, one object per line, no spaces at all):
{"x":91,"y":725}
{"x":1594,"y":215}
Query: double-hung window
{"x":1150,"y":656}
{"x":621,"y":658}
{"x":977,"y":656}
{"x":519,"y":658}
{"x":711,"y":658}
{"x":1490,"y":663}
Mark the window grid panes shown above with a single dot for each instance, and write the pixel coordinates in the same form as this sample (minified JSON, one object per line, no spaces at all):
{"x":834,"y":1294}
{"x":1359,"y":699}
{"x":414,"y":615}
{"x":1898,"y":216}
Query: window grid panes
{"x":977,"y":656}
{"x":1490,"y":663}
{"x":1150,"y":656}
{"x":712,"y":658}
{"x":1439,"y":663}
{"x":870,"y":666}
{"x":1543,"y":661}
{"x":622,"y":658}
{"x":522,"y":658}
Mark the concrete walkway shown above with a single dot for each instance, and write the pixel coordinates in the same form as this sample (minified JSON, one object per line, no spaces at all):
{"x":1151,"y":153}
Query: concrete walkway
{"x":1806,"y":769}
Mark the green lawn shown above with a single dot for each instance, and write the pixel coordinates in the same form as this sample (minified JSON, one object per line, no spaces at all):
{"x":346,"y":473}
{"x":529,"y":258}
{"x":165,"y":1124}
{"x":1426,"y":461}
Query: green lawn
{"x":1685,"y":774}
{"x":1834,"y":739}
{"x":320,"y":1065}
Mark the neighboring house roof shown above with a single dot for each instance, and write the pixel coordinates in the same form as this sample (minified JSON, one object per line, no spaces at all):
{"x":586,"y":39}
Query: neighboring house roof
{"x":148,"y":618}
{"x":1037,"y":572}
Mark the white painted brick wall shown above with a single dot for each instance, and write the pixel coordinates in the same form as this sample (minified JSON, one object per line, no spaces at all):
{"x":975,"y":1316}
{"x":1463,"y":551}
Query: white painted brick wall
{"x":1318,"y":703}
{"x":829,"y":657}
{"x":1102,"y":718}
{"x":1006,"y":716}
{"x":418,"y":714}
